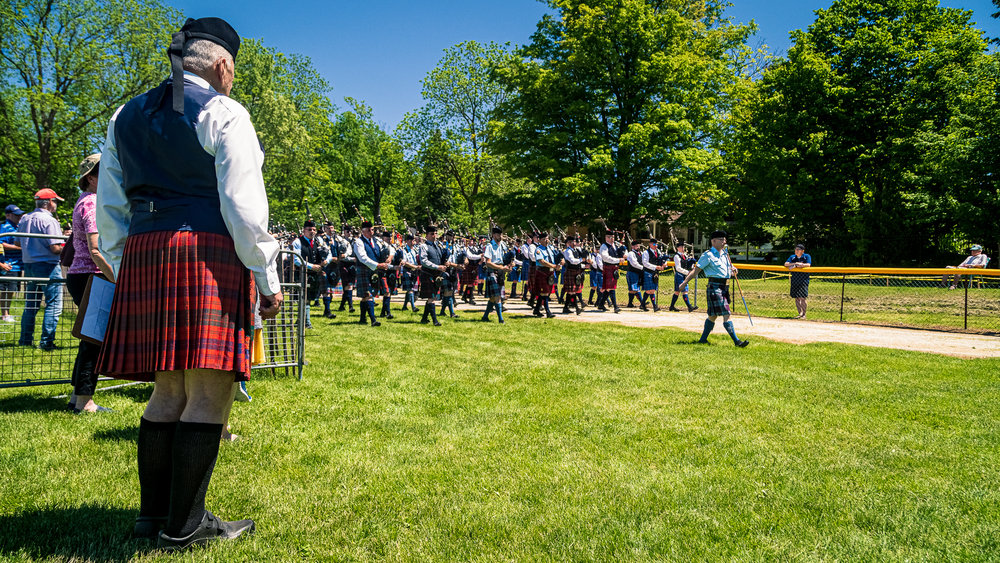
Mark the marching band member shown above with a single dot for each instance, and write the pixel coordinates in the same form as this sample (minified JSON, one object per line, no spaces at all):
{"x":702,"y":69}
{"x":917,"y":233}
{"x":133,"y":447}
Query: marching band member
{"x":543,"y":283}
{"x":596,"y":275}
{"x":348,"y":268}
{"x":432,"y":269}
{"x":391,"y":257}
{"x":717,"y":266}
{"x":652,"y":264}
{"x":470,"y":273}
{"x":610,"y":258}
{"x":682,"y":267}
{"x":633,"y":275}
{"x":313,"y":256}
{"x":409,"y":270}
{"x":331,"y":268}
{"x":450,"y":281}
{"x":494,"y":255}
{"x":368,"y":251}
{"x":576,"y":260}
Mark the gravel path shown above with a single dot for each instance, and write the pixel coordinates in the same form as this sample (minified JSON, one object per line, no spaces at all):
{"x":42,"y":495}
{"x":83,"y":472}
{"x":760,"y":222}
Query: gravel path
{"x":790,"y":330}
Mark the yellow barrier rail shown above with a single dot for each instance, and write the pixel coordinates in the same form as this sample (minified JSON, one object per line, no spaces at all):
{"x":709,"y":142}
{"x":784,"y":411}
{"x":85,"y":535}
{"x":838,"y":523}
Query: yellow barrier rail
{"x":879,"y":271}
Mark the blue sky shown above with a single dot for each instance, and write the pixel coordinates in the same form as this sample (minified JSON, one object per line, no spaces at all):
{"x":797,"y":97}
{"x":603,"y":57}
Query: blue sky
{"x":378,"y":51}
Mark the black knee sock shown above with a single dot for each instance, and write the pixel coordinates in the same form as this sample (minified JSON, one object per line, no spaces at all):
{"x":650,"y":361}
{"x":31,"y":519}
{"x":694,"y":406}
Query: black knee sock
{"x":545,"y":302}
{"x":591,"y":298}
{"x":434,"y":316}
{"x":642,"y":299}
{"x":385,"y":305}
{"x":371,"y":310}
{"x":364,"y":312}
{"x":601,"y":298}
{"x":350,"y":298}
{"x":673,"y":300}
{"x":155,"y":445}
{"x":614,"y":298}
{"x":427,"y":310}
{"x":343,"y":300}
{"x":196,"y":447}
{"x":451,"y":305}
{"x":687,"y":301}
{"x":327,"y":300}
{"x":631,"y":299}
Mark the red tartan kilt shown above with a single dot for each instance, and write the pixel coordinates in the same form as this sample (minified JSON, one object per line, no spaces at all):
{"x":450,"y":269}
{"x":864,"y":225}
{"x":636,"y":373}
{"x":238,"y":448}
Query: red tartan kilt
{"x":531,"y":277}
{"x":470,"y":275}
{"x":541,"y":285}
{"x":569,"y":280}
{"x":183,"y":301}
{"x":610,"y":281}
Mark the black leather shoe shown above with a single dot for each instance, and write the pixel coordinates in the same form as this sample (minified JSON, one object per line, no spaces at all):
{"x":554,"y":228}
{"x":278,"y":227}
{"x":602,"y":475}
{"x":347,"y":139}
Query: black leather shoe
{"x":148,"y":527}
{"x":742,"y":343}
{"x":550,"y":316}
{"x":436,"y":323}
{"x":376,"y":323}
{"x":210,"y":529}
{"x":674,"y":309}
{"x":692,"y":309}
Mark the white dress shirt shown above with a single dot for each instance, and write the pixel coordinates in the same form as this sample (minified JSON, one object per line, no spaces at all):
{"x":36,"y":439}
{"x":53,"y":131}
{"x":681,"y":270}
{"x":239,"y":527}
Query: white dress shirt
{"x":225,"y":132}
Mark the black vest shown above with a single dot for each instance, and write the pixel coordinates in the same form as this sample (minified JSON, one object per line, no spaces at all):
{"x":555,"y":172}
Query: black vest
{"x":310,"y":252}
{"x":435,"y":254}
{"x":168,"y":177}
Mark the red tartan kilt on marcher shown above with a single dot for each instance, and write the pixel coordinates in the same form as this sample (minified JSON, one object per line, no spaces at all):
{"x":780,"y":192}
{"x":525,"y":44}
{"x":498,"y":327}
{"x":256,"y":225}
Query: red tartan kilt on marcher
{"x":610,"y":279}
{"x":570,"y":284}
{"x":470,"y":275}
{"x":531,"y":278}
{"x":540,"y":283}
{"x":183,"y":300}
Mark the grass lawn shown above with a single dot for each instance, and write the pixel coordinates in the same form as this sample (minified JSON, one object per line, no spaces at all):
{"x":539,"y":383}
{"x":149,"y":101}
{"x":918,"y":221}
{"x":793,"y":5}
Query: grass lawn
{"x":544,"y":440}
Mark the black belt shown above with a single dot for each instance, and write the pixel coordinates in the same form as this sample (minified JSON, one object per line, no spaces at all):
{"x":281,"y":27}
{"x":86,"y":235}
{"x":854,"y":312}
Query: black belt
{"x":718,"y":281}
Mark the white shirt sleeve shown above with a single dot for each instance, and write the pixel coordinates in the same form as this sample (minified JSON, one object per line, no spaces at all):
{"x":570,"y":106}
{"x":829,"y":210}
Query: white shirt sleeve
{"x":424,"y":261}
{"x":225,"y":132}
{"x":113,"y":211}
{"x":363,"y":257}
{"x":568,"y":255}
{"x":678,"y":265}
{"x":606,"y":257}
{"x":646,"y":264}
{"x":633,"y":260}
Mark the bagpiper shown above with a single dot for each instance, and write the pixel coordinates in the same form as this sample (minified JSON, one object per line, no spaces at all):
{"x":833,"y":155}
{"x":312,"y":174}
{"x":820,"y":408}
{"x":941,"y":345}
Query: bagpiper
{"x":313,"y":256}
{"x":470,"y":272}
{"x":633,"y":273}
{"x":370,"y":282}
{"x":393,"y":258}
{"x":653,"y":262}
{"x":348,"y":267}
{"x":573,"y":279}
{"x":682,"y":267}
{"x":596,"y":275}
{"x":610,"y":256}
{"x":331,"y":268}
{"x":494,"y":256}
{"x":432,"y":272}
{"x":409,"y":271}
{"x":543,"y":283}
{"x":450,"y":282}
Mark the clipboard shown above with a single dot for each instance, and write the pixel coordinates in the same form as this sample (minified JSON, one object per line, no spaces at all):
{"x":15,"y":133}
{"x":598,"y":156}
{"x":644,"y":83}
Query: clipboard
{"x":95,"y":310}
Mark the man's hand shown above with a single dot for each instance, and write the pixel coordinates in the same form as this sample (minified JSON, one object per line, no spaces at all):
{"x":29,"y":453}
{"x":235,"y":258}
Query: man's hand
{"x":5,"y":266}
{"x":383,"y":266}
{"x":270,"y":304}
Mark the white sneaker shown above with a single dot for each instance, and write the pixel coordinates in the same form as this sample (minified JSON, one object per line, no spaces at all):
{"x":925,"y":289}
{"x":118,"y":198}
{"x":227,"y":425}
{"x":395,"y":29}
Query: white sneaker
{"x":9,"y":319}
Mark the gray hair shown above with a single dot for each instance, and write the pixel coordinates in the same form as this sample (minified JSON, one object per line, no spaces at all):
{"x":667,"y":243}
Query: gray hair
{"x":200,"y":55}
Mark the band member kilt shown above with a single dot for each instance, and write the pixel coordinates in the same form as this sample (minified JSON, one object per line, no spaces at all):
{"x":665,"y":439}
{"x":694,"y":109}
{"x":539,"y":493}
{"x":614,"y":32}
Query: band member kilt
{"x":494,"y":283}
{"x":718,"y":299}
{"x":610,"y":281}
{"x":408,"y":279}
{"x":650,"y":280}
{"x":540,"y":282}
{"x":570,"y":285}
{"x":532,"y":269}
{"x":470,"y":274}
{"x":428,"y":289}
{"x":365,"y":288}
{"x":348,"y":274}
{"x":183,"y":301}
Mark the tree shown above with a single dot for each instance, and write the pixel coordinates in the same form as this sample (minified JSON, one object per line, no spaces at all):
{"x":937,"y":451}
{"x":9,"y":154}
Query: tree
{"x":65,"y":67}
{"x":462,"y":98}
{"x":618,"y":106}
{"x":288,"y":104}
{"x":837,"y":141}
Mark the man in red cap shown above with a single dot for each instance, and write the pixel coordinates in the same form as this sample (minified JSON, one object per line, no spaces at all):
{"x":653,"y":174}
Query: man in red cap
{"x":183,"y":220}
{"x":41,"y":260}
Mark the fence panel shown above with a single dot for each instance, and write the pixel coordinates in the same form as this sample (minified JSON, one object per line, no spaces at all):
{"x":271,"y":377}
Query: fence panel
{"x":23,"y":364}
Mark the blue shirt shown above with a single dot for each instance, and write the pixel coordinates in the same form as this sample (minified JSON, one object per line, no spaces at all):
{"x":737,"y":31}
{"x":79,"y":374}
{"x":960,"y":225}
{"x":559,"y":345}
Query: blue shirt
{"x":12,"y":257}
{"x":797,"y":274}
{"x":37,"y":250}
{"x":715,"y":263}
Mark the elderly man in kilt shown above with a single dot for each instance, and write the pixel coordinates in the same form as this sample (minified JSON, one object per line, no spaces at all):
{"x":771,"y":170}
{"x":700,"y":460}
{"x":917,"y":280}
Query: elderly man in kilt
{"x":433,"y":272}
{"x":544,"y":283}
{"x":610,"y":256}
{"x":719,"y":268}
{"x":371,"y":282}
{"x":494,"y":255}
{"x":573,"y":279}
{"x":183,"y":220}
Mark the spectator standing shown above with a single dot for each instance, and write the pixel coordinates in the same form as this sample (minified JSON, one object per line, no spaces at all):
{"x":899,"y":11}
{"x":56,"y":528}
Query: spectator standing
{"x":800,"y":281}
{"x":41,"y":260}
{"x":87,"y":263}
{"x":10,"y":264}
{"x":976,"y":259}
{"x":183,"y":219}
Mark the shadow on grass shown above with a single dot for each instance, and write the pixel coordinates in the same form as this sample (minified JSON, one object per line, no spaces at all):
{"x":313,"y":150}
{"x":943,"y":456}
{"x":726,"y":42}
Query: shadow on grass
{"x":32,"y":403}
{"x":117,"y":434}
{"x":138,"y":393}
{"x":88,"y":532}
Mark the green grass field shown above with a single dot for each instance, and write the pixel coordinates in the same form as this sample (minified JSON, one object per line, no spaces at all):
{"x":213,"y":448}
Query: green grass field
{"x":546,"y":440}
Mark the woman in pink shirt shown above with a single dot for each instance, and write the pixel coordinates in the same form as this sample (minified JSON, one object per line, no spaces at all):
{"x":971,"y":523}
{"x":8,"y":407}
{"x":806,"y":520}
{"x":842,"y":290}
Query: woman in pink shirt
{"x":87,"y":262}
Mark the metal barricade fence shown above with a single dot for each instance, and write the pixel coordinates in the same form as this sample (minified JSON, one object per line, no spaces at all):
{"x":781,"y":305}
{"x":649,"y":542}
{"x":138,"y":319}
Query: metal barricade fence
{"x":24,"y":362}
{"x":904,"y":297}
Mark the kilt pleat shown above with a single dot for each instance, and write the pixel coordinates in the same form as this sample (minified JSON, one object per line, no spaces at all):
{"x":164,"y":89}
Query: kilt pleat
{"x":183,"y":300}
{"x":570,"y":284}
{"x":610,"y":281}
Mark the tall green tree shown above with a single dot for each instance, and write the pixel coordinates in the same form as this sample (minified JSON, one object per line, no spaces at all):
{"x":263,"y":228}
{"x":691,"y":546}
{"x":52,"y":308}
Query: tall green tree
{"x":461,"y":98}
{"x":65,"y":66}
{"x":618,"y":106}
{"x":288,"y":104}
{"x":835,"y":141}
